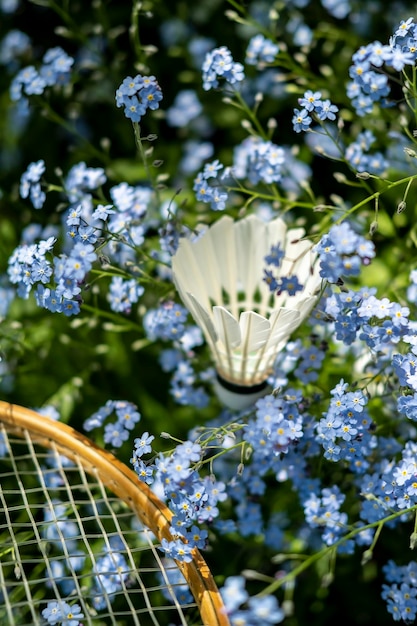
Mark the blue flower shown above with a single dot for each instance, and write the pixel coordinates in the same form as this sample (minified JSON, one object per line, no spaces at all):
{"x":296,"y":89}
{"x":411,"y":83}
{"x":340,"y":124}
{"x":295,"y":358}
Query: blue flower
{"x":398,"y":58}
{"x":196,"y":537}
{"x":407,"y":405}
{"x":342,"y":251}
{"x":311,"y":101}
{"x":115,"y":434}
{"x":62,"y":612}
{"x":126,"y":413}
{"x":103,"y":212}
{"x":177,"y":550}
{"x":326,"y":110}
{"x":290,"y":284}
{"x":259,"y":160}
{"x":145,"y":472}
{"x":123,"y":293}
{"x":151,"y":95}
{"x":111,"y":572}
{"x":265,"y":610}
{"x":185,"y":108}
{"x":261,"y":50}
{"x":134,"y":109}
{"x":301,"y":120}
{"x":191,"y":450}
{"x":15,"y":44}
{"x":130,"y":86}
{"x":275,"y":256}
{"x":234,"y":593}
{"x":30,"y":186}
{"x":143,"y":444}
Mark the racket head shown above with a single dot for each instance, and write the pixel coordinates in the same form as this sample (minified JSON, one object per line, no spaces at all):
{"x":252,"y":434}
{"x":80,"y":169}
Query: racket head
{"x":77,"y":526}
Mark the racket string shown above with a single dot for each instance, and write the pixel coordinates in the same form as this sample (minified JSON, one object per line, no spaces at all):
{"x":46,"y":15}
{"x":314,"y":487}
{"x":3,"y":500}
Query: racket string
{"x":17,"y":572}
{"x":70,"y":540}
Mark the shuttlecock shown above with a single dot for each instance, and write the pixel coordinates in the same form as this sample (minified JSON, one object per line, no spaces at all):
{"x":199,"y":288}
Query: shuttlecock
{"x":219,"y":277}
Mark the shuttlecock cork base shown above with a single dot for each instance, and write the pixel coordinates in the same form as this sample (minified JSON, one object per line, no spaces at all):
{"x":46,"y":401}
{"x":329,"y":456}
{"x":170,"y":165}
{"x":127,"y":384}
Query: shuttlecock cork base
{"x":220,"y":278}
{"x":239,"y":397}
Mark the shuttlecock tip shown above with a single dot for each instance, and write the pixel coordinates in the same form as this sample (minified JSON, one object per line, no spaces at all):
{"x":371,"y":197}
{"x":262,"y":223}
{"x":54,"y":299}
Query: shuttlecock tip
{"x":238,"y":397}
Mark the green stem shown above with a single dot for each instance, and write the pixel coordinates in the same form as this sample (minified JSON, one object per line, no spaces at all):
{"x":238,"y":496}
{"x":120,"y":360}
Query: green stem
{"x":273,"y":198}
{"x":304,"y":565}
{"x":143,"y":156}
{"x":134,"y":32}
{"x":376,"y":195}
{"x":242,"y":105}
{"x":60,"y":121}
{"x":116,"y":319}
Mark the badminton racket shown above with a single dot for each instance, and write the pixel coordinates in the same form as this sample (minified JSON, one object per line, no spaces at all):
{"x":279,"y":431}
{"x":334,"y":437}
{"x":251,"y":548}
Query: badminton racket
{"x":79,"y":534}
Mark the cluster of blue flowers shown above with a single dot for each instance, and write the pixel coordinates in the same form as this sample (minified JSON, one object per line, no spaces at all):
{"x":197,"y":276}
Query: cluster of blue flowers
{"x":276,"y":425}
{"x":111,"y":574}
{"x":215,"y":195}
{"x":13,"y":46}
{"x":169,"y":322}
{"x":55,"y":70}
{"x":30,"y":266}
{"x":259,"y":161}
{"x":391,"y":486}
{"x":185,"y":110}
{"x":405,"y":368}
{"x":138,"y":94}
{"x":370,"y":83}
{"x":62,"y":613}
{"x":242,"y":609}
{"x":123,"y":293}
{"x":357,"y":154}
{"x":192,"y":499}
{"x":401,"y":592}
{"x":261,"y":50}
{"x":115,"y":433}
{"x":278,"y":284}
{"x":313,"y":107}
{"x":344,"y":431}
{"x":94,"y":231}
{"x":323,"y":512}
{"x":30,"y":185}
{"x":67,"y":557}
{"x":123,"y":235}
{"x":255,"y":161}
{"x":219,"y":64}
{"x":342,"y":252}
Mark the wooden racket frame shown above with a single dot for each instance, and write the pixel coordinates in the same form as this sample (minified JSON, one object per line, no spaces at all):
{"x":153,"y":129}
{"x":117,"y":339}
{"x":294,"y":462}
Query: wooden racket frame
{"x":124,"y":483}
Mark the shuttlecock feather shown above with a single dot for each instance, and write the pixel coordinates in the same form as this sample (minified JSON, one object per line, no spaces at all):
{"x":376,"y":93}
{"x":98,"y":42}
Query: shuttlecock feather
{"x":219,"y":277}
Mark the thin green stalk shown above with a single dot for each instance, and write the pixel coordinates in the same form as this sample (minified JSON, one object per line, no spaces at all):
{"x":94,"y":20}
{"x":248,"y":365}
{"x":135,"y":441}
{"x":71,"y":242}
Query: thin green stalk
{"x":134,"y":31}
{"x":116,"y":319}
{"x":143,"y":156}
{"x":273,"y":198}
{"x":304,"y":565}
{"x":376,"y":195}
{"x":60,"y":121}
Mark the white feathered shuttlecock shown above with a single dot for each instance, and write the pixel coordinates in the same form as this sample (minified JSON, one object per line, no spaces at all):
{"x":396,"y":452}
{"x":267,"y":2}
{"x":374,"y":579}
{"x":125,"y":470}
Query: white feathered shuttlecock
{"x":219,"y":277}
